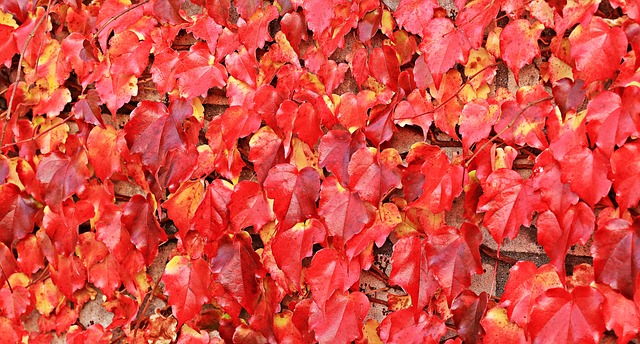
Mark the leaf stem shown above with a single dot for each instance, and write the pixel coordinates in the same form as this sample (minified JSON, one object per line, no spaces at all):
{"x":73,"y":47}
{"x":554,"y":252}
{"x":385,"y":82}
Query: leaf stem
{"x":513,"y":121}
{"x":32,"y":34}
{"x":498,"y":257}
{"x":114,"y":18}
{"x":37,"y":136}
{"x":6,"y":278}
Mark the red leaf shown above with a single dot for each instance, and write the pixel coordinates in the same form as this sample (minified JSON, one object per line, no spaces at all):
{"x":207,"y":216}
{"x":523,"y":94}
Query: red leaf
{"x":198,"y":64}
{"x":385,"y":66}
{"x":527,"y":282}
{"x":294,"y":193}
{"x":104,"y":150}
{"x":558,"y":234}
{"x":343,"y":211}
{"x":468,"y":310}
{"x":454,"y":256}
{"x":62,"y":225}
{"x":620,"y":314}
{"x":139,"y":218}
{"x":561,"y":317}
{"x":212,"y":215}
{"x":405,"y":327}
{"x":62,"y":176}
{"x":340,"y":320}
{"x":386,"y":219}
{"x":478,"y":118}
{"x":625,"y":169}
{"x":30,"y":258}
{"x":410,"y":270}
{"x":254,"y":32}
{"x":609,"y":122}
{"x":237,"y":122}
{"x":266,"y":151}
{"x":519,"y":44}
{"x":187,"y":283}
{"x":616,"y":258}
{"x":300,"y":237}
{"x":17,"y":214}
{"x":68,"y":274}
{"x":105,"y":275}
{"x":182,"y":205}
{"x":331,"y":271}
{"x":14,"y":303}
{"x":442,"y":180}
{"x":414,"y":15}
{"x":335,"y":151}
{"x":586,"y":173}
{"x":237,"y":268}
{"x":547,"y":179}
{"x":523,"y":120}
{"x":372,"y":174}
{"x":509,"y":202}
{"x":249,"y":207}
{"x":475,"y":16}
{"x":443,"y":45}
{"x":597,"y":50}
{"x":154,"y":131}
{"x":498,"y":329}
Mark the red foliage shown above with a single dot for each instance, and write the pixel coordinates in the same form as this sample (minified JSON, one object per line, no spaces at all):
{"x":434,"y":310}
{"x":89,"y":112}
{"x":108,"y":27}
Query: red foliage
{"x":259,"y":141}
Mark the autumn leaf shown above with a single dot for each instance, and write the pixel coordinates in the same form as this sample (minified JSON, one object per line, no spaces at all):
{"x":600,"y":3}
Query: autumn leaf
{"x":330,"y":271}
{"x":237,"y":267}
{"x":187,"y":283}
{"x":138,"y":217}
{"x":248,"y":206}
{"x":182,"y":205}
{"x":597,"y":49}
{"x":341,"y":318}
{"x":509,"y":202}
{"x":414,"y":15}
{"x":614,"y":244}
{"x":405,"y":327}
{"x":519,"y":44}
{"x":560,"y":316}
{"x":343,"y":211}
{"x":410,"y":270}
{"x":586,"y":173}
{"x":294,"y":193}
{"x":443,"y":45}
{"x":303,"y":236}
{"x":154,"y":131}
{"x":498,"y":328}
{"x":526,"y":283}
{"x":623,"y":169}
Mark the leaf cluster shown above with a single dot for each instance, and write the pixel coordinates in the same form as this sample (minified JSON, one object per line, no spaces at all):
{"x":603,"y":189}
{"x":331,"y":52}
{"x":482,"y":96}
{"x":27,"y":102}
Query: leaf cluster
{"x":274,"y":149}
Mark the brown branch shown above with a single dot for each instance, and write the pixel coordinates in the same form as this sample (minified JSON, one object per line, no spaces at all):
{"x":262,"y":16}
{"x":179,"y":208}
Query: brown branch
{"x":513,"y":121}
{"x":378,"y":301}
{"x":495,"y":255}
{"x":373,"y":291}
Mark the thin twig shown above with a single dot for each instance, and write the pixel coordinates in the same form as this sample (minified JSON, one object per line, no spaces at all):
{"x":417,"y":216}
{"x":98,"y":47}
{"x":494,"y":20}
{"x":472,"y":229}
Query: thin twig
{"x":513,"y":121}
{"x":144,"y":310}
{"x":373,"y":291}
{"x":112,"y":19}
{"x":454,"y":95}
{"x":37,"y":136}
{"x":378,"y":301}
{"x":6,"y":278}
{"x":32,"y":34}
{"x":498,"y":257}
